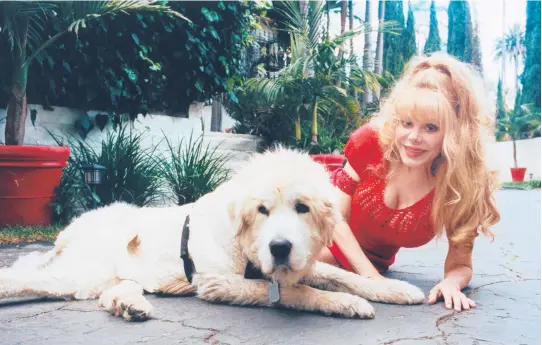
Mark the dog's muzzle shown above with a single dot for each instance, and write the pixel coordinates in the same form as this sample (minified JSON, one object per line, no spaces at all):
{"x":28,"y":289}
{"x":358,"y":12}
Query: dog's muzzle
{"x":281,"y":249}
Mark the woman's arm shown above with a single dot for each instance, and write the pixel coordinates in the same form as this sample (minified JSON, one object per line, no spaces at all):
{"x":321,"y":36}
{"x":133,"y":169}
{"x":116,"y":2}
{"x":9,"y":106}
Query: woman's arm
{"x":345,"y":240}
{"x":457,"y":275}
{"x":458,"y":264}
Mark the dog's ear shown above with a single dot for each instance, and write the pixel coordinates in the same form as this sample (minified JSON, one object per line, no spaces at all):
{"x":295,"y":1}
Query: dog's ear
{"x":326,"y":216}
{"x":242,"y":215}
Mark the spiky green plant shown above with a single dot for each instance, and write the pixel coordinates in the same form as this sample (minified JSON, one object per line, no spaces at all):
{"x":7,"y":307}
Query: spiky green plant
{"x":192,"y":169}
{"x":132,"y":174}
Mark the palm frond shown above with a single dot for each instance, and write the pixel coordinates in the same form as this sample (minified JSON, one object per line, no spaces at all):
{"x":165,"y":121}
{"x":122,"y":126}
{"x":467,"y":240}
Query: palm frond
{"x":315,"y":20}
{"x":77,"y":13}
{"x":88,"y":9}
{"x":339,"y":97}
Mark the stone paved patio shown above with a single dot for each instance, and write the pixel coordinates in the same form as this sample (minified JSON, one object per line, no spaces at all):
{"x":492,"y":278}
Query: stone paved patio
{"x":506,"y":288}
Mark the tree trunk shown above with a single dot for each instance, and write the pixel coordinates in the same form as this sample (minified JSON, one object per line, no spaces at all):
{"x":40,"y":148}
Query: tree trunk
{"x":503,"y":58}
{"x":314,"y":128}
{"x":516,"y":78}
{"x":298,"y":129}
{"x":515,"y":158}
{"x":343,"y":28}
{"x":216,"y":114}
{"x":351,"y":27}
{"x":16,"y":116}
{"x":303,"y":6}
{"x":343,"y":15}
{"x":379,"y":63}
{"x":367,"y":52}
{"x":328,"y":20}
{"x":16,"y":111}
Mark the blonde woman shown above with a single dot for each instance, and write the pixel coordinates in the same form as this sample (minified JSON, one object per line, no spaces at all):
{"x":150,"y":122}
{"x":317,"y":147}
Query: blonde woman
{"x":416,"y":171}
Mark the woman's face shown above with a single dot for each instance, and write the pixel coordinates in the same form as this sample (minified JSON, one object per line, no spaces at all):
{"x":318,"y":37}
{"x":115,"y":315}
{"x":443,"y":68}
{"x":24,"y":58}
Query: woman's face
{"x":418,"y":143}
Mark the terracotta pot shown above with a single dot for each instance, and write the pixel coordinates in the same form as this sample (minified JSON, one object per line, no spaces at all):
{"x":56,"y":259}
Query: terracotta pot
{"x":332,"y":162}
{"x":29,"y":176}
{"x":518,"y":174}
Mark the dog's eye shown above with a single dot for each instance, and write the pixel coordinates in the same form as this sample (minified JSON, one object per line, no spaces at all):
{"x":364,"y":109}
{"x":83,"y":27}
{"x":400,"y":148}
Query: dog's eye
{"x":301,"y":208}
{"x":263,"y":210}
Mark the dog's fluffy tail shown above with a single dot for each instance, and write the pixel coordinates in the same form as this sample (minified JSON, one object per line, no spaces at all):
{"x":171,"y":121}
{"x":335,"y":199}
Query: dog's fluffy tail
{"x":34,"y":260}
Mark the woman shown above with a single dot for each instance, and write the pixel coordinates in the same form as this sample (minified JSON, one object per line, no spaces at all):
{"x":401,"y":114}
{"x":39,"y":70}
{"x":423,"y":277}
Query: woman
{"x":416,"y":171}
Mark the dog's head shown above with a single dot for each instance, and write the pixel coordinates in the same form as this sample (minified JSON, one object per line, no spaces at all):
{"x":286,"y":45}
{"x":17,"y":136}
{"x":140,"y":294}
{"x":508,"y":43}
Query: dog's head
{"x":285,"y":213}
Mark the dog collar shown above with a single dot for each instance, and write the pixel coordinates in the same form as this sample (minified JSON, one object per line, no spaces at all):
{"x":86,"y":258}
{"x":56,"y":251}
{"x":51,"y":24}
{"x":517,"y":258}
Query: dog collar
{"x":251,"y":271}
{"x":189,"y":267}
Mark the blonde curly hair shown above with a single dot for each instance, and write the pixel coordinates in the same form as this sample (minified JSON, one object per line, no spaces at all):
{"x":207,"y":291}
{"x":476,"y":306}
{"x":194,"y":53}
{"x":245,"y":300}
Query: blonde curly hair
{"x":441,"y":88}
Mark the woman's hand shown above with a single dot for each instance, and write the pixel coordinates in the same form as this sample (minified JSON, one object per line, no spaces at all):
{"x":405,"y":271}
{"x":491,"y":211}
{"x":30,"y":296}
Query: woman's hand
{"x":375,"y":276}
{"x":453,"y":297}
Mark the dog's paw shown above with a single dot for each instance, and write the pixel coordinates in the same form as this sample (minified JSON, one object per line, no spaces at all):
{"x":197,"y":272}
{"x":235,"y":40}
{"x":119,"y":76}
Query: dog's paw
{"x":348,"y":305}
{"x":131,"y":307}
{"x":212,"y":289}
{"x":400,"y":292}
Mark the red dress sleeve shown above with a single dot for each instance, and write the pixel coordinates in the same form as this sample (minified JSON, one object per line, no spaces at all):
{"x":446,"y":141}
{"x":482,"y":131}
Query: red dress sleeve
{"x":363,"y":149}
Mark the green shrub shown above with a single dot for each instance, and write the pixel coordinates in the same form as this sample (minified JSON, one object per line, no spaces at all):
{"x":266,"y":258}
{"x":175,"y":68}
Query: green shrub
{"x":137,"y":175}
{"x":131,"y":175}
{"x":192,"y":170}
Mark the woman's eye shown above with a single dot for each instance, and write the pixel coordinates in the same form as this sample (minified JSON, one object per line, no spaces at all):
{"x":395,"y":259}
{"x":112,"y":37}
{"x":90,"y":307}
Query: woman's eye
{"x":301,"y":208}
{"x":432,"y":128}
{"x":263,"y":210}
{"x":407,"y":123}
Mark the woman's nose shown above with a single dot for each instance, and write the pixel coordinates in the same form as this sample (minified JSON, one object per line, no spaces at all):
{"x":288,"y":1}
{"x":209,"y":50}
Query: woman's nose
{"x":414,"y":135}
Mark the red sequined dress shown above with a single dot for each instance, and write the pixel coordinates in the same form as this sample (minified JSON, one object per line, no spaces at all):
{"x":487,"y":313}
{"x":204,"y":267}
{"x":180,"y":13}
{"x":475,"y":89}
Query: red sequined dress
{"x":381,"y":231}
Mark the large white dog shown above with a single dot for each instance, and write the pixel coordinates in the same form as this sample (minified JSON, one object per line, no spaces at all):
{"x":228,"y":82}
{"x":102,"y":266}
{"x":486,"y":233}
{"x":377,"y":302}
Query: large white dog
{"x":253,"y":241}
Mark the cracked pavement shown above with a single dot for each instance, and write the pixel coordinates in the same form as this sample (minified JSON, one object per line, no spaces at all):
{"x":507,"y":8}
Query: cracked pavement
{"x":506,"y":288}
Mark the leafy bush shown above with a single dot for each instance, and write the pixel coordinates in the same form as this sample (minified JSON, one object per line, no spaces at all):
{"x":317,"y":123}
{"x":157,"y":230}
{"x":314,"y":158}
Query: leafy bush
{"x":131,"y":175}
{"x":192,"y":170}
{"x":141,"y":62}
{"x":137,"y":175}
{"x":275,"y":123}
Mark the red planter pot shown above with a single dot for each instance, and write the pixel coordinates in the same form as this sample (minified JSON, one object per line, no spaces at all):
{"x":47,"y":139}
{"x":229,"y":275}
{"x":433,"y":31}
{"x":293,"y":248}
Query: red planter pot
{"x":331,"y":161}
{"x":28,"y":178}
{"x":518,"y":174}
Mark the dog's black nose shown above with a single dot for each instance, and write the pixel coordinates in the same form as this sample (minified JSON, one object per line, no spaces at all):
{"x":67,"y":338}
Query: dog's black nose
{"x":280,"y":249}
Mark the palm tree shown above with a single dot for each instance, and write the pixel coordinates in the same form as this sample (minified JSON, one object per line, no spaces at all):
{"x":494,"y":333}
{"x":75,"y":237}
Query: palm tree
{"x":24,"y":23}
{"x":316,"y":80}
{"x":518,"y":123}
{"x":379,"y":61}
{"x":367,"y":50}
{"x":512,"y":45}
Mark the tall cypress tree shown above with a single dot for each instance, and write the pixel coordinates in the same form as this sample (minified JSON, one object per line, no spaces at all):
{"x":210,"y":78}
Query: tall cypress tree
{"x":476,"y":49}
{"x":409,"y":36}
{"x":394,"y":60}
{"x":460,"y":30}
{"x":433,"y":40}
{"x":501,"y":110}
{"x":531,"y":73}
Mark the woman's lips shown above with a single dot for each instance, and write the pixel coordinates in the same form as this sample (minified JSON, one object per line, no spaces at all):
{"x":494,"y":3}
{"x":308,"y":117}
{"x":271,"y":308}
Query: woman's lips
{"x":413,"y":152}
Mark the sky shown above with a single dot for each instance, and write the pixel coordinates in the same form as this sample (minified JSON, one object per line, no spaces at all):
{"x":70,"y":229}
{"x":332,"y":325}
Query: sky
{"x":490,"y":21}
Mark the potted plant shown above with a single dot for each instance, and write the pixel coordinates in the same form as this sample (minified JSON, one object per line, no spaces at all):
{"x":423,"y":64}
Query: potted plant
{"x":29,"y":174}
{"x":518,"y":123}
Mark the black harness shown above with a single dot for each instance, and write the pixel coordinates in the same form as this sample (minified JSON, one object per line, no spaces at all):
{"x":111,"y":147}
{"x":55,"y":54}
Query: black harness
{"x":251,"y":271}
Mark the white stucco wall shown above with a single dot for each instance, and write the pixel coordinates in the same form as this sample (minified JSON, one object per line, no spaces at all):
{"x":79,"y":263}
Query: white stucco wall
{"x":60,"y":121}
{"x":155,"y":127}
{"x":528,"y":155}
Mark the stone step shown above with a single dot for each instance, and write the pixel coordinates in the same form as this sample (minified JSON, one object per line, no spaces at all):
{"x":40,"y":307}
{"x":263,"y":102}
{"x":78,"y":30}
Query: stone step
{"x":229,"y":141}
